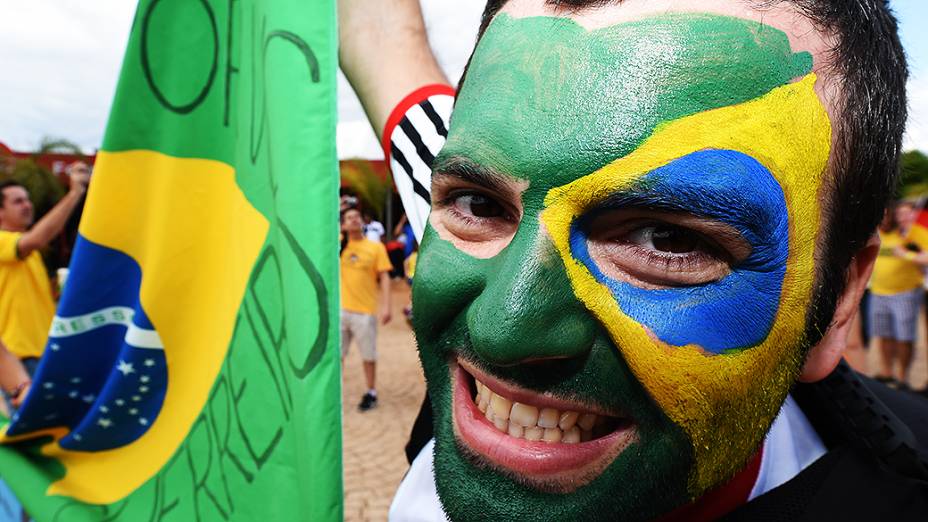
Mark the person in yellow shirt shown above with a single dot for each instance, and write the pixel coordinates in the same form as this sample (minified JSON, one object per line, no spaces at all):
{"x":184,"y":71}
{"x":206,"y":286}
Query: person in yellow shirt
{"x":26,"y":306}
{"x":365,"y":270}
{"x":897,"y":293}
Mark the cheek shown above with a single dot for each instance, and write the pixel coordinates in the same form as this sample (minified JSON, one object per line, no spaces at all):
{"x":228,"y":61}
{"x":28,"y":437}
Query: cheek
{"x":446,"y":281}
{"x":478,"y":242}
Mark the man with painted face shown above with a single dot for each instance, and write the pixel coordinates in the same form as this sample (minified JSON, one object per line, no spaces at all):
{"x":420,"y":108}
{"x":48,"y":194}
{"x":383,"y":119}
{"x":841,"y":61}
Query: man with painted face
{"x":650,"y":220}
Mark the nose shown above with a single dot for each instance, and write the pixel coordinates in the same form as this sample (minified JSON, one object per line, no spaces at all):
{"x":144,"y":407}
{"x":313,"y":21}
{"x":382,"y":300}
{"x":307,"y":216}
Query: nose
{"x":527,"y":310}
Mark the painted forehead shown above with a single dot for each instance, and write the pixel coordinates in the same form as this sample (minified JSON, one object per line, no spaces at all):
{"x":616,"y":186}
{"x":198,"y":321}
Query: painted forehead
{"x":546,"y":96}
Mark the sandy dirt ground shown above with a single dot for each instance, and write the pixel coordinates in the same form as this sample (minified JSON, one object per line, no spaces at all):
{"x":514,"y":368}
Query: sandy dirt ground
{"x":374,"y":461}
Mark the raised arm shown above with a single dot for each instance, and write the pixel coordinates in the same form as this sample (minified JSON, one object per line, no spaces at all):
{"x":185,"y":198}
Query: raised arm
{"x":53,"y":222}
{"x":384,"y":53}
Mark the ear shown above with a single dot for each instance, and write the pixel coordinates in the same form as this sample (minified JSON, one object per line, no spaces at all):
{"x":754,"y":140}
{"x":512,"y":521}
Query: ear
{"x":825,"y":356}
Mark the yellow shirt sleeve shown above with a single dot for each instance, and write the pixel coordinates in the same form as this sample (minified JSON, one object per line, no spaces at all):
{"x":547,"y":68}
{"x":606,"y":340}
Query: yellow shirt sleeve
{"x":8,"y":242}
{"x":382,"y":263}
{"x":919,"y":236}
{"x":410,"y":264}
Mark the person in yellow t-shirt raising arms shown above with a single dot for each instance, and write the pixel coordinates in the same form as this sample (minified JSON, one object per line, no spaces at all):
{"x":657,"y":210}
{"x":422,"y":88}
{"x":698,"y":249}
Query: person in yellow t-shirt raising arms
{"x":365,"y":268}
{"x":897,"y":293}
{"x":26,"y":306}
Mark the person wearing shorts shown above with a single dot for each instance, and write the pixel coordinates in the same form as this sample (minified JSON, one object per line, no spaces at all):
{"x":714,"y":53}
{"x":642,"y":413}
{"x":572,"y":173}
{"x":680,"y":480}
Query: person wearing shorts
{"x":365,"y":270}
{"x":896,"y":295}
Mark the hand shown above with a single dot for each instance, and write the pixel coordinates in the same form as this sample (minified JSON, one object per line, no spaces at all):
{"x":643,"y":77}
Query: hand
{"x":79,"y":173}
{"x":21,"y":396}
{"x":385,"y":317}
{"x":900,"y":252}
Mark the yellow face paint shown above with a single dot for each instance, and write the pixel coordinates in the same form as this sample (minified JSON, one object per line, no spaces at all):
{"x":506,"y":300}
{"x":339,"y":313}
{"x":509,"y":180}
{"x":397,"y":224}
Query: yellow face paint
{"x":723,"y":402}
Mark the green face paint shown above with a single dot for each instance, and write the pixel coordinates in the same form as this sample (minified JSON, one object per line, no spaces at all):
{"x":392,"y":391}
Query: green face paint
{"x":549,"y":102}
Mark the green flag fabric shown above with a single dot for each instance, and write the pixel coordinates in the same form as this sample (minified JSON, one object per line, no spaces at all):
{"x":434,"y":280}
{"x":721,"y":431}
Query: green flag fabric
{"x":192,"y":369}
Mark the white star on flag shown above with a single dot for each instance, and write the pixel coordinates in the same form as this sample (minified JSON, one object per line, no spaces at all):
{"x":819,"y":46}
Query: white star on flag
{"x":104,"y":422}
{"x":125,"y":368}
{"x":143,"y":421}
{"x":149,"y":362}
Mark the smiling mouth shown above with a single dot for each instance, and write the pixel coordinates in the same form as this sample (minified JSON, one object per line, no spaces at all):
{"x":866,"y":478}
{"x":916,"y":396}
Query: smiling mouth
{"x":535,"y":423}
{"x":542,"y":441}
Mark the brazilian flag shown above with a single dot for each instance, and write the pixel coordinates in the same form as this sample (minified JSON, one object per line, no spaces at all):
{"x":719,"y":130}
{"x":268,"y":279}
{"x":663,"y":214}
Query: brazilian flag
{"x":191,"y":371}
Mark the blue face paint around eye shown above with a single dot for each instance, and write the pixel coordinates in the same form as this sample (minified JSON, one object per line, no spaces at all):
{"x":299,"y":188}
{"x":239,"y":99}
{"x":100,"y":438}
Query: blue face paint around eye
{"x":737,"y":311}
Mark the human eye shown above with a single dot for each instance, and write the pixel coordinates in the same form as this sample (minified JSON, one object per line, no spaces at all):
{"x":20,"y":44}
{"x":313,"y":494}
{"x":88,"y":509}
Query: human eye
{"x":471,"y":206}
{"x":660,"y":249}
{"x":474,"y":215}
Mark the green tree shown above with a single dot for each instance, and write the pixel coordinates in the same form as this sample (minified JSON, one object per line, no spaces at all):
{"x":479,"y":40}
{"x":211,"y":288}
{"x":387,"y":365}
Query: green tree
{"x":914,"y":167}
{"x":44,"y":188}
{"x":49,"y":144}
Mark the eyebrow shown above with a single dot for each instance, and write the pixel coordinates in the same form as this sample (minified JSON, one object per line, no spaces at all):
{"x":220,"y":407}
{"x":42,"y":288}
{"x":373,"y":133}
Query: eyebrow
{"x":698,"y":201}
{"x":471,"y":172}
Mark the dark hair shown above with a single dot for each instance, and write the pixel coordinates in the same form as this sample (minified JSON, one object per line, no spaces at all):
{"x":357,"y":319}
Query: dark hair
{"x":5,"y":185}
{"x":870,"y":65}
{"x":341,"y":214}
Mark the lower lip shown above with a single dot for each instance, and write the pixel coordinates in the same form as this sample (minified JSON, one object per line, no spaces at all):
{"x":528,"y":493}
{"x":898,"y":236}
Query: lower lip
{"x":541,"y":460}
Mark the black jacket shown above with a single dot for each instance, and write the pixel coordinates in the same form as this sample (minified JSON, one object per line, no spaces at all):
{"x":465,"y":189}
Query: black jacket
{"x":876,"y":467}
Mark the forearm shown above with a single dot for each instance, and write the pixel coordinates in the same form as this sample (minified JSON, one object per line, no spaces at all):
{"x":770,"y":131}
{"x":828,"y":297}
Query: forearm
{"x":921,"y":258}
{"x":12,"y":371}
{"x":384,"y":53}
{"x":385,"y":291}
{"x":50,"y":225}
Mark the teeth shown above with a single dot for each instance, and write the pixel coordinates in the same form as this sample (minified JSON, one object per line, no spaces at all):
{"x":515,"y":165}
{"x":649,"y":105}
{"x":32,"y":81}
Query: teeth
{"x":522,"y":421}
{"x":568,"y":419}
{"x":552,"y":435}
{"x":548,"y":418}
{"x":500,"y":406}
{"x":571,"y":436}
{"x":524,"y":415}
{"x":484,"y":400}
{"x":534,"y":433}
{"x":501,"y":424}
{"x":587,"y":421}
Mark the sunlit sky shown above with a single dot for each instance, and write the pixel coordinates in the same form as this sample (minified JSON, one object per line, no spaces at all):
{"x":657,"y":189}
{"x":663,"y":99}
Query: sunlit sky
{"x":60,"y":62}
